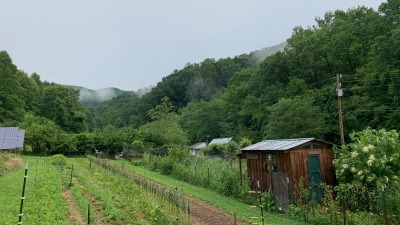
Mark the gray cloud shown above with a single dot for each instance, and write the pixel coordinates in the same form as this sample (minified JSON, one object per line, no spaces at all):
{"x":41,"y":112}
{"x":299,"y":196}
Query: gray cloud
{"x":133,"y":44}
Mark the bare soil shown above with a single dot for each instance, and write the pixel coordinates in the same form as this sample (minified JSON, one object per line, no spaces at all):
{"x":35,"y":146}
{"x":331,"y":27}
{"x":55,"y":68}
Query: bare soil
{"x":74,"y":214}
{"x":206,"y":214}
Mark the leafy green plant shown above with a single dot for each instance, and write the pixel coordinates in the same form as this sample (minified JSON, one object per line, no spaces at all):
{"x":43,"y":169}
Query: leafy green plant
{"x":58,"y":160}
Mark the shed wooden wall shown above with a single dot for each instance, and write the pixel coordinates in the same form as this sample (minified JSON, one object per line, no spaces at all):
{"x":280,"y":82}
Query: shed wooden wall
{"x":256,"y":170}
{"x":294,"y":162}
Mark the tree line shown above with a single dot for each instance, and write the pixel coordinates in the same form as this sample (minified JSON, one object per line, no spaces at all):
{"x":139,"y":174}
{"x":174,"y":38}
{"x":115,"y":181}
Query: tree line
{"x":289,"y":94}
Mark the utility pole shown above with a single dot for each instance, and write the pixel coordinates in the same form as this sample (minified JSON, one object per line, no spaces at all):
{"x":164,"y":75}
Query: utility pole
{"x":340,"y":94}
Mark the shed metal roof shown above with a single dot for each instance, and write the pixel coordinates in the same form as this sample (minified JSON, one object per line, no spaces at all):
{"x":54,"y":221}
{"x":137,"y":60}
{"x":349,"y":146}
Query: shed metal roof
{"x":277,"y":145}
{"x":221,"y":141}
{"x":199,"y":145}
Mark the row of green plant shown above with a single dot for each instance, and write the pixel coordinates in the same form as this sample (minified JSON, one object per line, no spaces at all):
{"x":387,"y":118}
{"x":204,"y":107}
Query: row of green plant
{"x":44,"y":203}
{"x":232,"y":206}
{"x":173,"y":196}
{"x":217,"y":174}
{"x":119,"y":200}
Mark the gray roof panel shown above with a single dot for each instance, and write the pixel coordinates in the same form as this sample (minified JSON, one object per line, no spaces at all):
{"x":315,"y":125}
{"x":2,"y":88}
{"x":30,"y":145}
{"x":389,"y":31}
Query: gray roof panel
{"x":199,"y":145}
{"x":221,"y":141}
{"x":277,"y":145}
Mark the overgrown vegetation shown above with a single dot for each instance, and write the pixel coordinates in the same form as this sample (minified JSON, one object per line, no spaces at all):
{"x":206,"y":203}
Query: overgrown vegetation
{"x":9,"y":162}
{"x":368,"y":191}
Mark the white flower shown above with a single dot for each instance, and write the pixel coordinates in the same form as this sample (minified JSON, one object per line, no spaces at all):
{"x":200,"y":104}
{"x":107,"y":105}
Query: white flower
{"x":354,"y":154}
{"x":369,"y":162}
{"x":365,"y":149}
{"x":395,"y":177}
{"x":372,"y":157}
{"x":386,"y":179}
{"x":360,"y":173}
{"x":345,"y":166}
{"x":353,"y":170}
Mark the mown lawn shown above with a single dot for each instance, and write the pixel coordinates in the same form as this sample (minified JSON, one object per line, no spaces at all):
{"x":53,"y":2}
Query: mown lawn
{"x":243,"y":211}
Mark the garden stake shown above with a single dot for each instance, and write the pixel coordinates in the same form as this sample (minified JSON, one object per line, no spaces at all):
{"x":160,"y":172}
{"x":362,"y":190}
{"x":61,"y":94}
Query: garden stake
{"x":23,"y":195}
{"x":70,"y":179}
{"x":90,"y":165}
{"x":208,"y":176}
{"x":37,"y":164}
{"x":88,"y":214}
{"x":261,"y":206}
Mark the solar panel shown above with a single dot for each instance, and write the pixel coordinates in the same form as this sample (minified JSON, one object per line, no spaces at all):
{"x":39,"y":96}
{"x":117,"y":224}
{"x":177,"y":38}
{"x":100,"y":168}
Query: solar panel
{"x":11,"y":138}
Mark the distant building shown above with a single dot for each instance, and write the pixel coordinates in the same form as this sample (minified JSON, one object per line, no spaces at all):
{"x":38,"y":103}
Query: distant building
{"x":196,"y":149}
{"x":11,"y":138}
{"x":221,"y":141}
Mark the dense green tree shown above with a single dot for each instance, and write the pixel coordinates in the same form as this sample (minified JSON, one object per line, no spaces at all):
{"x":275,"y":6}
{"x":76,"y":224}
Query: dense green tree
{"x":11,"y":101}
{"x":294,"y":118}
{"x":111,"y":140}
{"x":41,"y":134}
{"x":202,"y":120}
{"x":61,"y":104}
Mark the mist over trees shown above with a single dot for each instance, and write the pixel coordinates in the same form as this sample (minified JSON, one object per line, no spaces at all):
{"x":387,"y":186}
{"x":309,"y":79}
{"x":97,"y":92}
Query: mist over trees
{"x":290,"y":93}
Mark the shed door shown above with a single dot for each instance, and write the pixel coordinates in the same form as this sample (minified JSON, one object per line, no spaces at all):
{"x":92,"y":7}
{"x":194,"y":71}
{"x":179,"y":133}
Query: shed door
{"x":314,"y":176}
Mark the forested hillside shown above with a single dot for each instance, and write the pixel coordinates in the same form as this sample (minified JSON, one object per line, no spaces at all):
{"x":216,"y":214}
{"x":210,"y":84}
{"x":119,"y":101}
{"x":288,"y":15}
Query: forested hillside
{"x":289,"y":94}
{"x":91,"y":98}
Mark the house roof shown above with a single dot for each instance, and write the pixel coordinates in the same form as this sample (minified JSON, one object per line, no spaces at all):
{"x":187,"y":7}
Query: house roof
{"x":198,"y":146}
{"x":11,"y":138}
{"x":278,"y":145}
{"x":221,"y":141}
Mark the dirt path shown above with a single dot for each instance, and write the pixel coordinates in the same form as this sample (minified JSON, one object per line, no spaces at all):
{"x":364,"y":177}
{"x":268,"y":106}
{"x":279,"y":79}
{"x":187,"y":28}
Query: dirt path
{"x":73,"y":209}
{"x":206,"y":214}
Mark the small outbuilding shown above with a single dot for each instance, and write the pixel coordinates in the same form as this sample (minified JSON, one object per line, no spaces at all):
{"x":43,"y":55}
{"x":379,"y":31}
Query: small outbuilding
{"x":279,"y":165}
{"x":196,"y":149}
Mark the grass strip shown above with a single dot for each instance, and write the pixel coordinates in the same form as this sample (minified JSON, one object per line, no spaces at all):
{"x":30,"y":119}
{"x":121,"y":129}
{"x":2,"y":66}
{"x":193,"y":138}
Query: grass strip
{"x":122,"y":201}
{"x":243,"y":211}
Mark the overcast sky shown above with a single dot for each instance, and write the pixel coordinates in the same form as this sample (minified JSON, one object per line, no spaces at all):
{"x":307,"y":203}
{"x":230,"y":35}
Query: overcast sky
{"x":130,"y":44}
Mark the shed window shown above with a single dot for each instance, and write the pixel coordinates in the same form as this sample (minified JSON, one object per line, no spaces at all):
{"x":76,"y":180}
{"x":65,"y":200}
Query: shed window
{"x":312,"y":147}
{"x":317,"y":146}
{"x":271,"y":156}
{"x":252,"y":156}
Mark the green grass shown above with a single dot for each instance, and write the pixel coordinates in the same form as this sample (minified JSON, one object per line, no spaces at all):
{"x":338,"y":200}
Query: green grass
{"x":121,"y":200}
{"x":44,"y":203}
{"x":118,"y":199}
{"x":243,"y":211}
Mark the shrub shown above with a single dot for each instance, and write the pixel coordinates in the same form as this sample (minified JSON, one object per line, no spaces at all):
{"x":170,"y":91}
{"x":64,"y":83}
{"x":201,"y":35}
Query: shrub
{"x":58,"y":160}
{"x":362,"y":218}
{"x":166,"y":165}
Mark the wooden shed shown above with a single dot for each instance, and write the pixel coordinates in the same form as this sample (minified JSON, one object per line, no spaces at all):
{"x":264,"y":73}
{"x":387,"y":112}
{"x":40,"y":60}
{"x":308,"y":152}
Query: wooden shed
{"x":280,"y":164}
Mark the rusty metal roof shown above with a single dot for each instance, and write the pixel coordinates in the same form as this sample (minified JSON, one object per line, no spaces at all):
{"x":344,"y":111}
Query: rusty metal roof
{"x":277,"y":145}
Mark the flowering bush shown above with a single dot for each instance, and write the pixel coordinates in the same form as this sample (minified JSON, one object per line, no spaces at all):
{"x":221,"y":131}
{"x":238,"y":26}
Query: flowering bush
{"x":372,"y":159}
